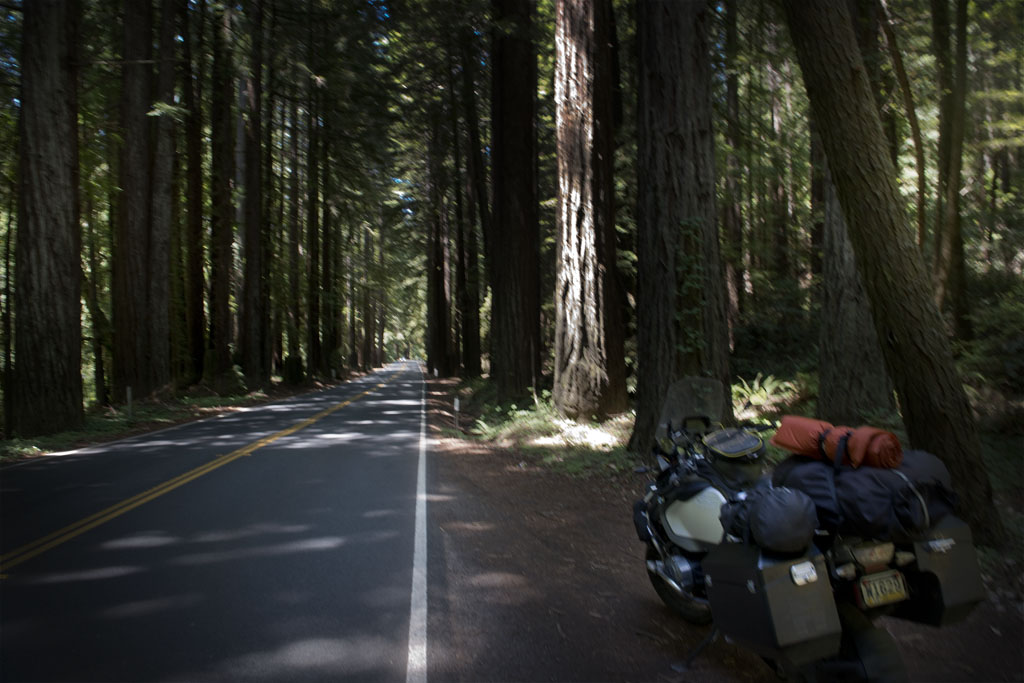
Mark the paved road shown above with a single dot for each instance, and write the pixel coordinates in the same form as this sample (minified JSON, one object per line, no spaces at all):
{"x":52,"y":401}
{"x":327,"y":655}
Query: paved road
{"x":275,"y":543}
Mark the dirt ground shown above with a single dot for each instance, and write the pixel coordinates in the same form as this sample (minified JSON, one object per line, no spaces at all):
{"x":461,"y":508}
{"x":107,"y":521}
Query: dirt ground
{"x":540,"y":577}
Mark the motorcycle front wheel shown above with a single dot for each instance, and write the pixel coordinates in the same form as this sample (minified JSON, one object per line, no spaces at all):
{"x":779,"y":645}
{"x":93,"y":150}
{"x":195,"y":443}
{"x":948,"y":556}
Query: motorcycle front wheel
{"x":686,"y":606}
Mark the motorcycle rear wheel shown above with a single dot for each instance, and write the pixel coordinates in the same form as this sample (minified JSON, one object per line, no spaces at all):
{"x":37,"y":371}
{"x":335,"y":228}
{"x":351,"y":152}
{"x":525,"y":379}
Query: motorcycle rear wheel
{"x":687,"y":607}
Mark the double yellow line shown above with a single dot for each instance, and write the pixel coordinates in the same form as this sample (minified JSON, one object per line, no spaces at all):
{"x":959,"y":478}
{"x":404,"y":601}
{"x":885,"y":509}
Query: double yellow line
{"x":41,"y":545}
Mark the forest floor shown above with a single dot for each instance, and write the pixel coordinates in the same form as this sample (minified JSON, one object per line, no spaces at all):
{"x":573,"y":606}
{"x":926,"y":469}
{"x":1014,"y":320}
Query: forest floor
{"x":569,"y":541}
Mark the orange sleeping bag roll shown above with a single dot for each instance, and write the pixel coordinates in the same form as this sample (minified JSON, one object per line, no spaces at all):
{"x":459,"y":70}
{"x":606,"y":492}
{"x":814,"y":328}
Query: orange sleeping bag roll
{"x":868,"y":446}
{"x":873,"y":447}
{"x":801,"y":435}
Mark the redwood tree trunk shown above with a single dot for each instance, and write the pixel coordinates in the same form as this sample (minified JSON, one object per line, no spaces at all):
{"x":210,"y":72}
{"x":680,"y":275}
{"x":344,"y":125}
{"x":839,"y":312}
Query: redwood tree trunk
{"x":47,"y":328}
{"x":476,"y":194}
{"x":590,"y":377}
{"x":255,"y":320}
{"x":221,"y":188}
{"x":132,"y":247}
{"x":853,"y":382}
{"x":514,"y":249}
{"x":950,"y":285}
{"x":194,"y":308}
{"x":659,"y":189}
{"x":917,"y":355}
{"x":158,"y":303}
{"x":681,"y":329}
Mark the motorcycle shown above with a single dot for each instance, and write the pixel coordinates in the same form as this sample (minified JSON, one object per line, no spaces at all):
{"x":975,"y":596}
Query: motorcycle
{"x":724,"y":546}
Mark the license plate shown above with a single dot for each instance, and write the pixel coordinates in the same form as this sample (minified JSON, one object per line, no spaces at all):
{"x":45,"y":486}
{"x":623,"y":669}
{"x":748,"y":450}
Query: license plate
{"x":882,"y":589}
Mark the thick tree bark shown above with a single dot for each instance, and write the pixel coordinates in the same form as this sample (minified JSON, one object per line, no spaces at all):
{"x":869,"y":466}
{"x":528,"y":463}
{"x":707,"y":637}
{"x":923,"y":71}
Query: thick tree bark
{"x":47,"y":327}
{"x":915,"y":127}
{"x":514,"y":249}
{"x":132,"y":246}
{"x":732,"y":215}
{"x":590,"y":377}
{"x":438,"y":302}
{"x":708,"y":310}
{"x":218,"y":364}
{"x":158,"y":304}
{"x":255,"y":319}
{"x":476,"y":185}
{"x":853,"y":382}
{"x":195,"y":312}
{"x":313,"y":350}
{"x":935,"y":408}
{"x":950,"y":285}
{"x":294,"y":239}
{"x":659,"y":189}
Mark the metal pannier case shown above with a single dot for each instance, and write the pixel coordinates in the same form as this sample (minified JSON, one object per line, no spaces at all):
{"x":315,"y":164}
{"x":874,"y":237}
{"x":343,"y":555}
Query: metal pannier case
{"x":781,"y":608}
{"x":945,"y":581}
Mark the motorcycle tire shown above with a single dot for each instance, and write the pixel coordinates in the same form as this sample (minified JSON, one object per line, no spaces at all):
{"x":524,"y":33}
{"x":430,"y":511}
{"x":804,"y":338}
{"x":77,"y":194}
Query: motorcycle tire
{"x":688,"y":608}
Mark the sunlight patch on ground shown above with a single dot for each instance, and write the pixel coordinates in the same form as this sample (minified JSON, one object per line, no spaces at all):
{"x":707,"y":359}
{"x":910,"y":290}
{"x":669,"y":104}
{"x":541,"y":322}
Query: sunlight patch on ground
{"x":327,"y":656}
{"x":599,"y":437}
{"x":100,"y":574}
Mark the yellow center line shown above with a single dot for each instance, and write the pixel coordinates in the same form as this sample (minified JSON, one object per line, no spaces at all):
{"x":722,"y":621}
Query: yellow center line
{"x":41,"y":545}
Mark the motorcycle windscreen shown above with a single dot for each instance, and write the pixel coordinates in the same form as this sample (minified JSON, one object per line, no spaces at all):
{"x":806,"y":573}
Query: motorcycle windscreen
{"x":691,"y":397}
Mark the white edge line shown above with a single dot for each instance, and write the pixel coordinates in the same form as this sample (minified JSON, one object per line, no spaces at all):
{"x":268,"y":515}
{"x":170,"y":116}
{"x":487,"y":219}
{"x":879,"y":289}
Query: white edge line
{"x":416,"y":669}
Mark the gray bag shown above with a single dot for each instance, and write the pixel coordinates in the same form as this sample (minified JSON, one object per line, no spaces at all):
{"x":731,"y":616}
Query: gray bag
{"x":780,"y":520}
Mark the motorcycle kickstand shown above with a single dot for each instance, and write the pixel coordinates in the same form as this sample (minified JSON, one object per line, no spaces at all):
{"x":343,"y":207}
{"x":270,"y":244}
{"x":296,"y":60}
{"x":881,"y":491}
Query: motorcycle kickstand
{"x":711,"y":637}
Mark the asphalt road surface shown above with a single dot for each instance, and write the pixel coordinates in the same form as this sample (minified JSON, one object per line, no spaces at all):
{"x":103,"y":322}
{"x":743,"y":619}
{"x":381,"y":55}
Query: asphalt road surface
{"x":277,"y":543}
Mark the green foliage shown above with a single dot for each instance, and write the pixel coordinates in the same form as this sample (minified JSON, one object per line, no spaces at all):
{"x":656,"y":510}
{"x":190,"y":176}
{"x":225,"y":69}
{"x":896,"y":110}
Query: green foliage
{"x":996,"y":354}
{"x":778,"y":333}
{"x":535,"y":432}
{"x":763,"y":394}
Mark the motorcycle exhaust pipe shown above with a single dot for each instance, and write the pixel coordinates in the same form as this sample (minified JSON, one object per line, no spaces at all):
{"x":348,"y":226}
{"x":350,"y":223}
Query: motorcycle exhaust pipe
{"x":680,"y":577}
{"x":658,"y":568}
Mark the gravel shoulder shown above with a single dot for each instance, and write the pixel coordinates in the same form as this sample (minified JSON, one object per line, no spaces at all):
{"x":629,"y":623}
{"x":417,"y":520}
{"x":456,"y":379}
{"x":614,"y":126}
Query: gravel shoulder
{"x":538,"y":576}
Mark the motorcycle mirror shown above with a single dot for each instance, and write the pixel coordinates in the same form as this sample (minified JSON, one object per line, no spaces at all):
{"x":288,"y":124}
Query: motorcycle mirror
{"x":641,"y":469}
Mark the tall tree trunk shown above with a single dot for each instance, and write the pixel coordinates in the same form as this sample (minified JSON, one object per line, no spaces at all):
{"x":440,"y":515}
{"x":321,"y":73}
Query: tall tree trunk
{"x":514,"y":249}
{"x":8,"y":319}
{"x":732,"y":215}
{"x":100,"y":324}
{"x":915,"y":127}
{"x":590,"y":373}
{"x":935,"y":408}
{"x":330,"y":343}
{"x":196,"y":280}
{"x":294,"y":239}
{"x":660,"y":172}
{"x":438,"y":303}
{"x":476,"y":185}
{"x":132,"y":247}
{"x":819,"y":169}
{"x":47,"y":325}
{"x":950,"y":285}
{"x":853,"y":381}
{"x":255,"y":315}
{"x":854,"y":384}
{"x":314,"y":349}
{"x":461,"y":276}
{"x":704,"y":314}
{"x":218,"y":365}
{"x":158,"y":299}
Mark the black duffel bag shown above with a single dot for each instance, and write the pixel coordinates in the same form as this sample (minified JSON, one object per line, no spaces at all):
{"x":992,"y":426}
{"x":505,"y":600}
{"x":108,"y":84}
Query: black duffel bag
{"x":896,"y":504}
{"x":778,"y":519}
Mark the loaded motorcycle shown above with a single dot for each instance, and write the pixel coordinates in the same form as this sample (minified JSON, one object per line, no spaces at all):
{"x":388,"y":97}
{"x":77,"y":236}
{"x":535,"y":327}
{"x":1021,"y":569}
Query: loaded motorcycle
{"x":793,"y":570}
